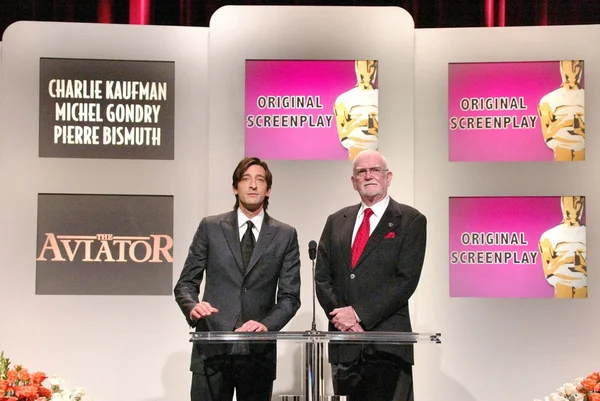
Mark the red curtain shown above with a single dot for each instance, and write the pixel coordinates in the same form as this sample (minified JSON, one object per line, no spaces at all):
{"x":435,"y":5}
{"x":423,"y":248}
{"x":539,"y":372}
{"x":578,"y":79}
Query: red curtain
{"x":426,"y":13}
{"x":105,"y":11}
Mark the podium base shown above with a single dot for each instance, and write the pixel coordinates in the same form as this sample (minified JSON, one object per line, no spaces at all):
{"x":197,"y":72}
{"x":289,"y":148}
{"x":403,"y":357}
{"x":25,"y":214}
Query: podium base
{"x":299,"y":398}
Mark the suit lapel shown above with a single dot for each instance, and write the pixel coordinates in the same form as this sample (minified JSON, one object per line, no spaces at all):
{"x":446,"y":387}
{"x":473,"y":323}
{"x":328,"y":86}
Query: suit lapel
{"x":389,"y":221}
{"x":267,"y":233}
{"x":232,"y":235}
{"x":346,"y":230}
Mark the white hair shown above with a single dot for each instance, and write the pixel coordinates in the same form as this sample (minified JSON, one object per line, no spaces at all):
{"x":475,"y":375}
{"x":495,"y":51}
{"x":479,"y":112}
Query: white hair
{"x":369,"y":152}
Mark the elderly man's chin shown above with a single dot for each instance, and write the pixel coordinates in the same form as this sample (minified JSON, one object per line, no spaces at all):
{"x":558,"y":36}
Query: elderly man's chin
{"x":370,"y":192}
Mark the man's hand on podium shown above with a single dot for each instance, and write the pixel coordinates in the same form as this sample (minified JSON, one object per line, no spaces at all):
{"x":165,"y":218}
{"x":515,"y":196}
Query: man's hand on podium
{"x":202,"y":310}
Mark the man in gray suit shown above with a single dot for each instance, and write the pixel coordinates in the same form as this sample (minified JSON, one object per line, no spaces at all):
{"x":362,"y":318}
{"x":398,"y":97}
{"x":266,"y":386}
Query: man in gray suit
{"x":252,"y":267}
{"x":369,"y":262}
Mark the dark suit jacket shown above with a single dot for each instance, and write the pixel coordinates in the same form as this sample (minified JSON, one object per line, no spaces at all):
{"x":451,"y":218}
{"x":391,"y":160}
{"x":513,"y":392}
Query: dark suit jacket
{"x":268,"y":292}
{"x":382,"y":282}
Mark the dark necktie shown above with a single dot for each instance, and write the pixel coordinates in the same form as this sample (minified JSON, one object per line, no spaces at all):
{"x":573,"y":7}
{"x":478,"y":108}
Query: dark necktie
{"x":247,"y":244}
{"x":362,"y":236}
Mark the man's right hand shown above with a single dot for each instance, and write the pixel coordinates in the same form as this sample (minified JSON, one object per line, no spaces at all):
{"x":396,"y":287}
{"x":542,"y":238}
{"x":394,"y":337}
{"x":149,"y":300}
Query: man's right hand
{"x":202,"y":310}
{"x":357,"y":328}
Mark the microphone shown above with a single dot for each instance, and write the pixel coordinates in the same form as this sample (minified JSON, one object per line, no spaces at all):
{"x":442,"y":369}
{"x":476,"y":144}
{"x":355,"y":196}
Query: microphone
{"x":312,"y":250}
{"x":312,"y":254}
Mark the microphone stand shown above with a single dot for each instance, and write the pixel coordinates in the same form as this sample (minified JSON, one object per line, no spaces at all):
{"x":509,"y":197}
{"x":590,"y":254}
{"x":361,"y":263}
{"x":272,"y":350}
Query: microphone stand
{"x":313,"y":328}
{"x":314,"y":384}
{"x":312,"y":254}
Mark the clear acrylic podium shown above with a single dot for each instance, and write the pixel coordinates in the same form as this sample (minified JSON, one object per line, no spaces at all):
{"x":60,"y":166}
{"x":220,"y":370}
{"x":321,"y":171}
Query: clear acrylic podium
{"x":313,"y":383}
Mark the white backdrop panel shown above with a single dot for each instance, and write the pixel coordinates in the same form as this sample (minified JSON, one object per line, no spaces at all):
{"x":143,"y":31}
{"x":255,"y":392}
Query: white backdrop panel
{"x":116,"y":347}
{"x":499,"y":349}
{"x":306,"y":192}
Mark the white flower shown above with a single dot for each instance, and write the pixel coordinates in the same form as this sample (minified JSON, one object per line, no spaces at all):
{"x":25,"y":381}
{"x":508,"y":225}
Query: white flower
{"x":570,"y":389}
{"x":55,"y":383}
{"x":77,"y":393}
{"x":556,"y":397}
{"x":60,"y":397}
{"x":567,"y":392}
{"x":59,"y":394}
{"x":56,"y":380}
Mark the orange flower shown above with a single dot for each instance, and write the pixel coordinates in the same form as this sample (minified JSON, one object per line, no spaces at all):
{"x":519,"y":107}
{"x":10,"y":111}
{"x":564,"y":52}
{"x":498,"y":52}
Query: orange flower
{"x":11,"y":399}
{"x":588,"y":384}
{"x":44,"y":392}
{"x":594,"y":397}
{"x":11,"y":376}
{"x":595,"y":376}
{"x":38,"y":377}
{"x":25,"y":391}
{"x":3,"y":386}
{"x":23,"y":375}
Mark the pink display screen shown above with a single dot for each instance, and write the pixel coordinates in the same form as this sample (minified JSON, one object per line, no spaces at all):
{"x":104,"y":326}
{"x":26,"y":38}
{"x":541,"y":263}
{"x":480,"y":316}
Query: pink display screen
{"x":518,"y":247}
{"x":516,"y":111}
{"x":310,"y":109}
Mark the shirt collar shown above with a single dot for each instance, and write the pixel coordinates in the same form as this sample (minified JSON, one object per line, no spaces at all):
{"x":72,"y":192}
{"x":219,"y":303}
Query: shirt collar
{"x":378,"y":208}
{"x":257,"y":220}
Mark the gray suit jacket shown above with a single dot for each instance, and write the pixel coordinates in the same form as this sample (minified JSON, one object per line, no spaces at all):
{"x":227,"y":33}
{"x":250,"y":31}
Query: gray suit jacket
{"x":382,"y":282}
{"x":268,"y":291}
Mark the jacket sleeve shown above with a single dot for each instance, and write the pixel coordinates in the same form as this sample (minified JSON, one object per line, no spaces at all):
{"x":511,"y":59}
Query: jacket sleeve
{"x":288,"y":288}
{"x":187,"y":288}
{"x":326,"y":293}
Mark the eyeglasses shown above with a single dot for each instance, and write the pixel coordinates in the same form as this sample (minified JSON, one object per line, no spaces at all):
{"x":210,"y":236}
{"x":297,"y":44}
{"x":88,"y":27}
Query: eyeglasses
{"x":375,"y":171}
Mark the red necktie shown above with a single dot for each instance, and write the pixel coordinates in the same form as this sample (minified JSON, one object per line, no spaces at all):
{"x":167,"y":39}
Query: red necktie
{"x":362,"y":236}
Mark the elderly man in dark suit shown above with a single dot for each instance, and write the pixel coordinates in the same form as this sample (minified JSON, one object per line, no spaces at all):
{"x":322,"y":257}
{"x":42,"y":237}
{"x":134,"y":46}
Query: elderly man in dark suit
{"x":369,"y":262}
{"x":252,"y":267}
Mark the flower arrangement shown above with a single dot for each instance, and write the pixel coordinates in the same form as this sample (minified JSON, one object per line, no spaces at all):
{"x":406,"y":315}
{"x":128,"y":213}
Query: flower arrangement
{"x":17,"y":384}
{"x":582,"y":389}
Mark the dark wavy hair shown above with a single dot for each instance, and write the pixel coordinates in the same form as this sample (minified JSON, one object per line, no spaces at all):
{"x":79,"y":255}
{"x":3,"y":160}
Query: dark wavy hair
{"x":239,"y":171}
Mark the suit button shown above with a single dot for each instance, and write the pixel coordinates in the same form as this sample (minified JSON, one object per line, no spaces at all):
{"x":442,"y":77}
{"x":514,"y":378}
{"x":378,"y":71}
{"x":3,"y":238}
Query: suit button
{"x":245,"y":289}
{"x":352,"y":276}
